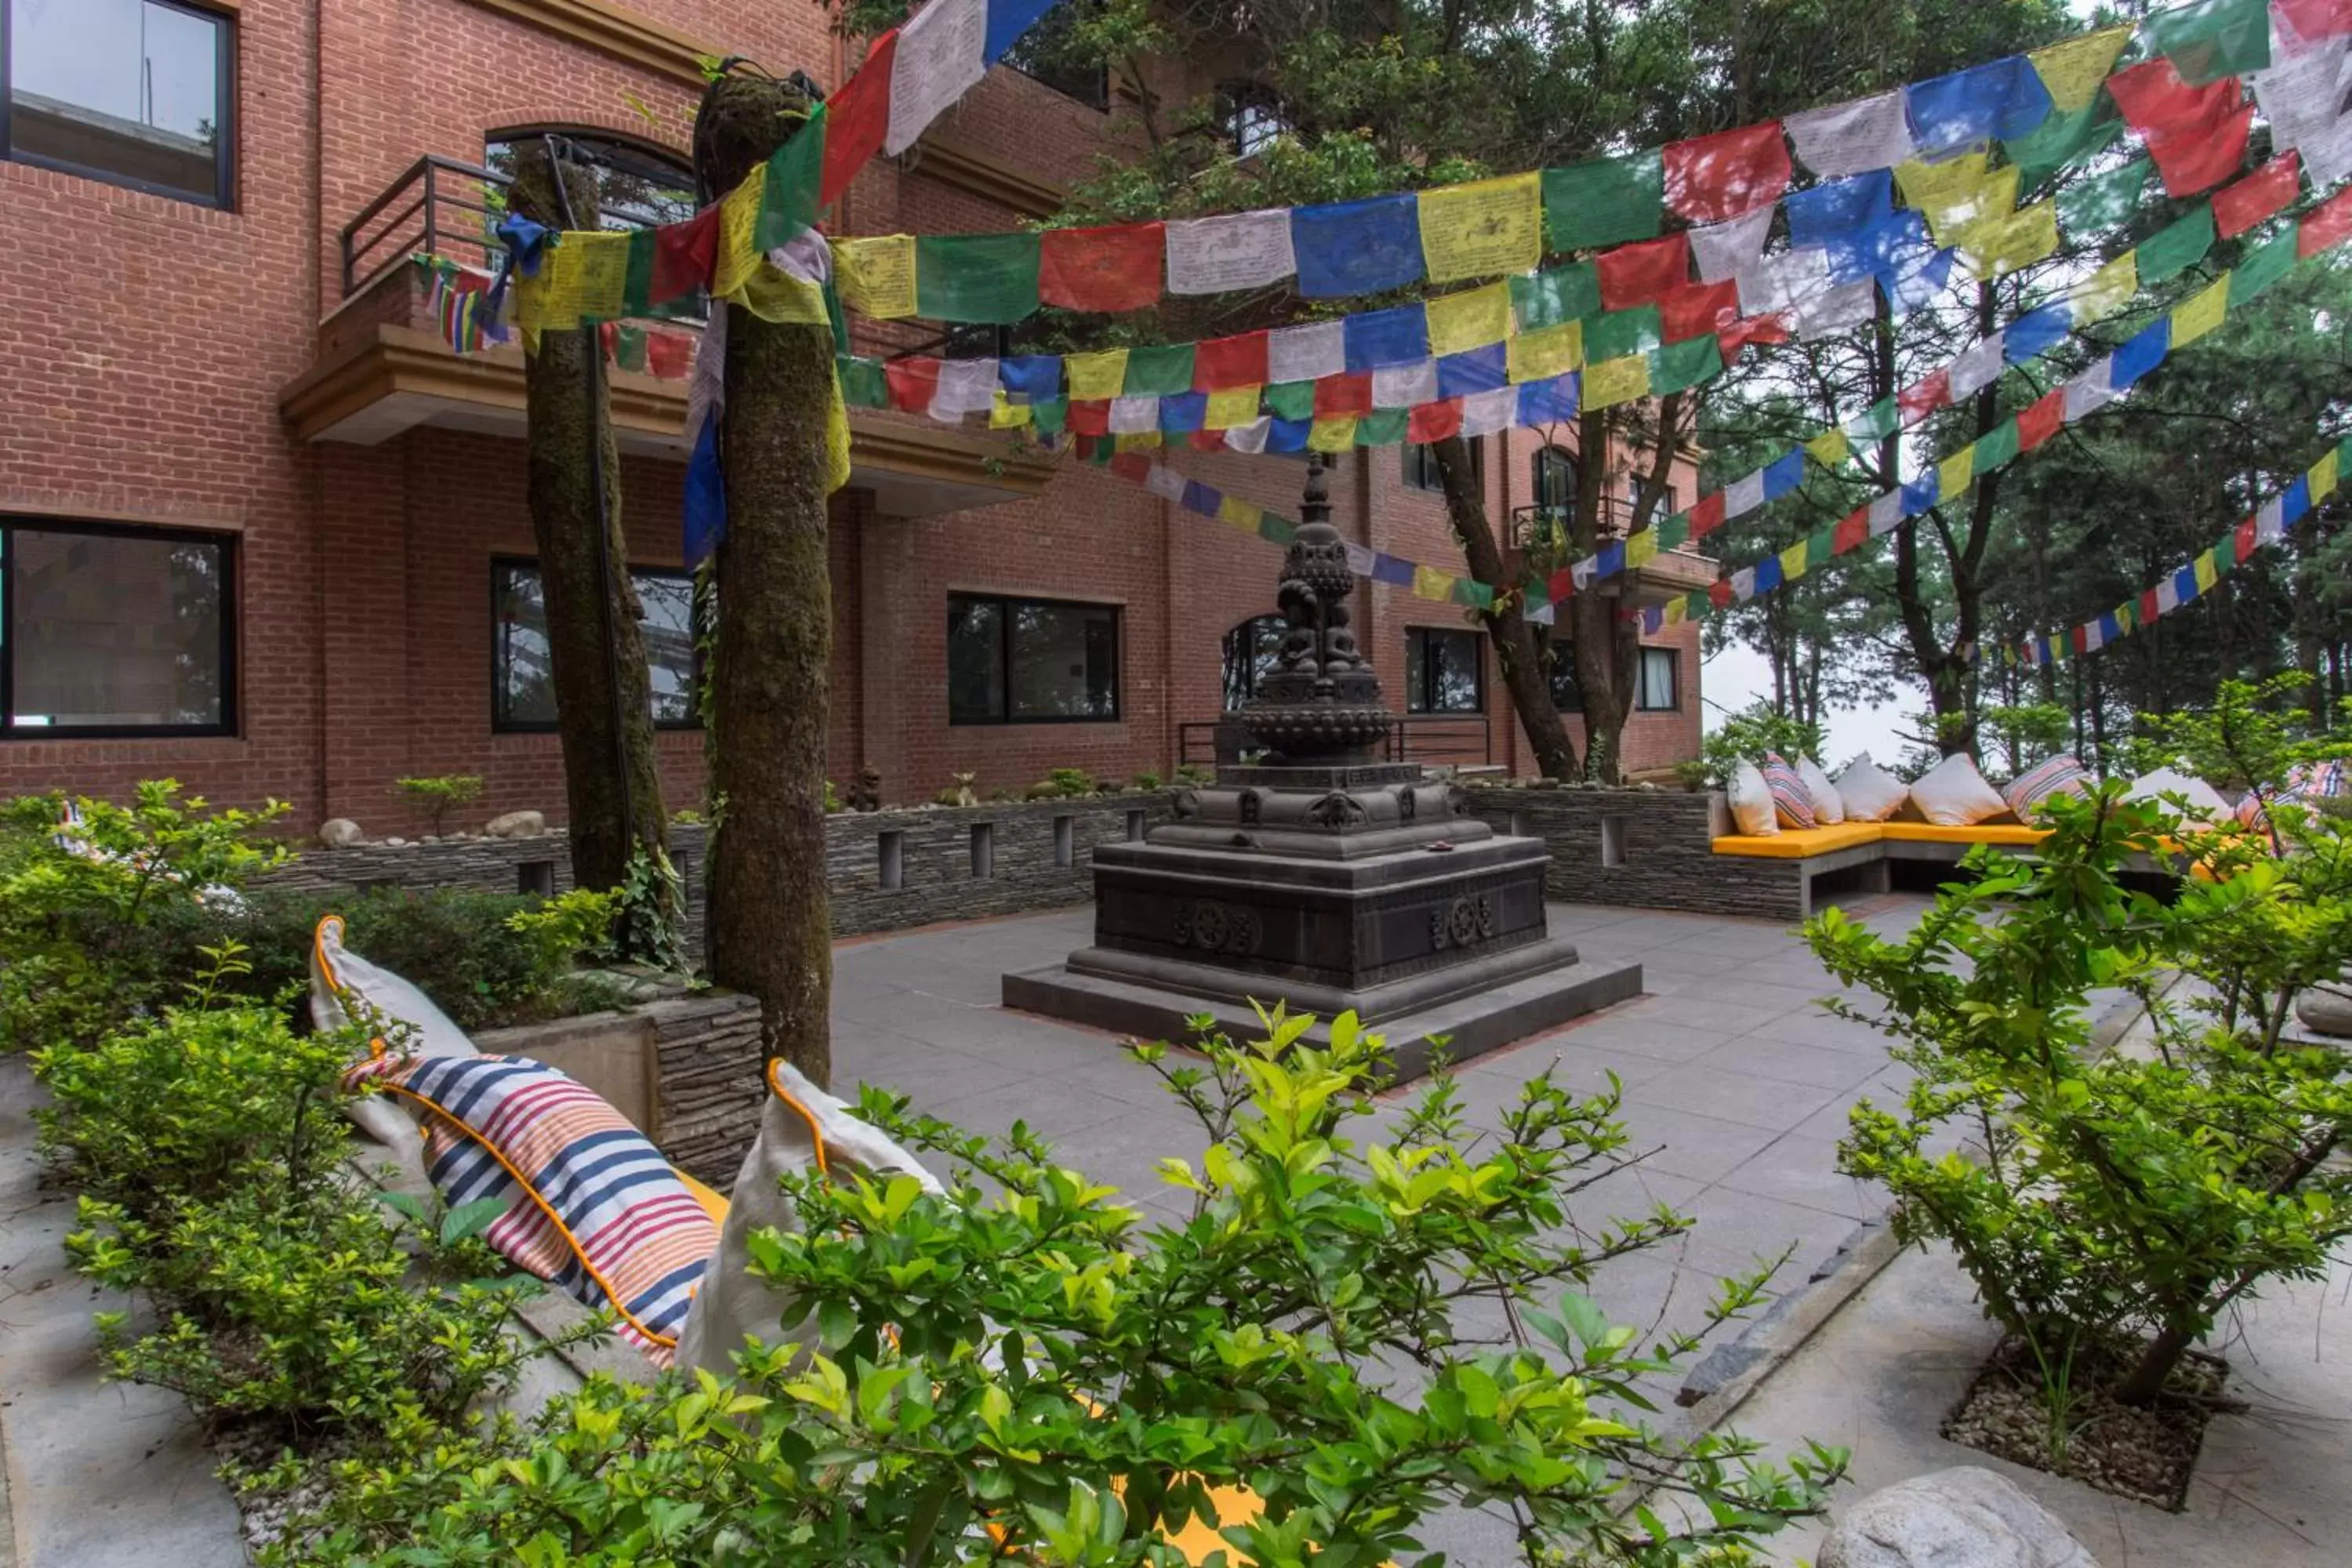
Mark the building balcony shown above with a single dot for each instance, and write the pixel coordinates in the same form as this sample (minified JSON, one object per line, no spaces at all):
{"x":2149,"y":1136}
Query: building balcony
{"x":381,"y":367}
{"x":1668,"y":574}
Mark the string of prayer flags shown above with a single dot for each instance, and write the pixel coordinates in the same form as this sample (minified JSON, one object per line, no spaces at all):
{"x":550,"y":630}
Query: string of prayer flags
{"x":1713,"y":179}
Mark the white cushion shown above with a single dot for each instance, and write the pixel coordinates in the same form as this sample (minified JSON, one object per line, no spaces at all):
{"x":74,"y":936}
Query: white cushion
{"x":2206,"y":807}
{"x":1751,"y":801}
{"x":1953,"y":794}
{"x":346,"y":989}
{"x":1827,"y":807}
{"x":1868,"y":792}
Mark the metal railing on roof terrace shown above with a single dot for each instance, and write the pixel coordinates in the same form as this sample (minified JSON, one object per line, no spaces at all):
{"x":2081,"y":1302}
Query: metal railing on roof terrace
{"x":438,"y":205}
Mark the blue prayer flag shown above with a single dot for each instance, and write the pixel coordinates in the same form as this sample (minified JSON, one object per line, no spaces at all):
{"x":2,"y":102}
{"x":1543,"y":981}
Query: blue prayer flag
{"x":2184,"y":583}
{"x":705,"y":496}
{"x":1920,"y":493}
{"x":1768,"y":573}
{"x":2001,"y":101}
{"x":2141,"y":354}
{"x":2108,"y":630}
{"x":1387,"y":568}
{"x":1396,"y":336}
{"x":1549,"y":400}
{"x":1840,"y":207}
{"x":2295,"y":503}
{"x":1357,"y":247}
{"x":1183,"y":411}
{"x":1033,"y":376}
{"x":2035,"y":334}
{"x":1201,"y":498}
{"x":1007,"y":20}
{"x":1611,"y":560}
{"x":1784,"y":475}
{"x":1474,"y":370}
{"x":1287,"y":435}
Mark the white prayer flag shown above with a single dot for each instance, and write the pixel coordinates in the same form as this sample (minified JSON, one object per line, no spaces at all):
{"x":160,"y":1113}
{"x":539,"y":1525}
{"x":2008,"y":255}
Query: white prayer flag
{"x":2095,"y":636}
{"x":1839,"y":310}
{"x":1744,"y":495}
{"x":1404,"y":385}
{"x":2091,"y":391}
{"x":706,"y":389}
{"x":1243,"y":251}
{"x":1249,"y":437}
{"x":2302,"y":95}
{"x":1722,"y":250}
{"x":1305,"y":352}
{"x":1164,"y":482}
{"x":1852,"y":138}
{"x":2270,"y":520}
{"x":2327,"y":152}
{"x":1885,"y":514}
{"x":2167,"y":595}
{"x":1979,"y":368}
{"x":1484,"y":413}
{"x":1580,"y":573}
{"x":1359,"y":558}
{"x":1543,"y":615}
{"x":965,"y":386}
{"x":938,"y":61}
{"x":1781,"y":285}
{"x":1133,"y":415}
{"x":1743,"y":584}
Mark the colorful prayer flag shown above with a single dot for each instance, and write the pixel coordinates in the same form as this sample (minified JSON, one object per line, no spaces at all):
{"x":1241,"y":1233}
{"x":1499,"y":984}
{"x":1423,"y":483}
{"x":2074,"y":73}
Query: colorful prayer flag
{"x":1459,"y":322}
{"x":1238,"y":361}
{"x":1366,"y":247}
{"x":939,"y":56}
{"x":858,"y":120}
{"x":1110,"y":269}
{"x":1996,"y":101}
{"x":1094,"y":377}
{"x":1240,"y":250}
{"x":876,"y":276}
{"x":1853,"y":138}
{"x":1605,"y":202}
{"x":2205,"y":39}
{"x":2175,"y":247}
{"x":1642,"y":274}
{"x":2200,"y":313}
{"x":1557,"y":294}
{"x":1713,"y":179}
{"x":982,"y":277}
{"x":1534,"y":356}
{"x":1482,"y":229}
{"x":2073,"y":72}
{"x":2244,"y":202}
{"x":1616,"y":381}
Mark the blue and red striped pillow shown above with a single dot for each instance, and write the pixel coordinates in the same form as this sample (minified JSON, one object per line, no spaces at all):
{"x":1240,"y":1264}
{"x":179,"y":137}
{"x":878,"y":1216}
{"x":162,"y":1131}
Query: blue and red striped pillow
{"x":2062,"y":774}
{"x":1791,"y":801}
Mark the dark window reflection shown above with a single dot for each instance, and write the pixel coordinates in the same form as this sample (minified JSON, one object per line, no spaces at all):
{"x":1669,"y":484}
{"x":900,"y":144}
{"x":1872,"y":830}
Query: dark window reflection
{"x":522,"y":692}
{"x":109,"y":631}
{"x":1444,"y":670}
{"x":1251,"y":651}
{"x":133,"y":91}
{"x":1031,"y":662}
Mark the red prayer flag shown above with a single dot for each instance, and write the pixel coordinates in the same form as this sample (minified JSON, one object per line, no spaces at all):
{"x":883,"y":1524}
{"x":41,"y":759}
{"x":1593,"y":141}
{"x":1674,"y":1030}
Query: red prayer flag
{"x":2196,"y":134}
{"x":2041,"y":419}
{"x":857,"y":119}
{"x":2245,"y":539}
{"x":1131,"y":465}
{"x":1223,"y":362}
{"x":1088,"y":416}
{"x":2201,"y":160}
{"x":1718,"y":592}
{"x":1696,"y":310}
{"x":669,"y":355}
{"x":2148,"y":608}
{"x":1852,"y":529}
{"x":1337,"y":397}
{"x":1753,"y":330}
{"x":2312,"y":20}
{"x":2247,"y":202}
{"x":1711,"y":179}
{"x":1706,"y":514}
{"x":683,"y":255}
{"x":2326,"y":226}
{"x":912,"y":382}
{"x":1205,"y":441}
{"x":1636,"y":274}
{"x":1434,"y":421}
{"x":1115,"y":268}
{"x":1922,"y":398}
{"x":2081,"y":637}
{"x":1560,"y":586}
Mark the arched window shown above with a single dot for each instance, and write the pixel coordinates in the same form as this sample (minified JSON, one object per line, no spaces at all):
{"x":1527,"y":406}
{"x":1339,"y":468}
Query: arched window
{"x":638,"y":185}
{"x":1251,"y":649}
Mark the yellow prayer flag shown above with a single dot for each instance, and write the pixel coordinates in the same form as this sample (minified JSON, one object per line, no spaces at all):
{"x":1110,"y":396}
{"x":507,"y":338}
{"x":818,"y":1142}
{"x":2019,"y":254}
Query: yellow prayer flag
{"x":2201,"y":312}
{"x":739,"y":217}
{"x":1956,"y":473}
{"x":1996,"y":246}
{"x":1553,"y":351}
{"x":772,"y":294}
{"x":1483,"y":229}
{"x":1829,"y":448}
{"x":1469,"y":320}
{"x":2105,"y":291}
{"x":530,"y":311}
{"x":1677,"y":608}
{"x":1096,"y":376}
{"x":2322,"y":478}
{"x":876,"y":276}
{"x":1792,"y":561}
{"x":1241,"y":514}
{"x":2207,"y":573}
{"x":1616,"y":381}
{"x":1956,"y":193}
{"x":1336,"y":434}
{"x":2073,"y":72}
{"x":1428,"y":584}
{"x":1004,"y":414}
{"x":1139,"y":441}
{"x":1233,"y":405}
{"x":1640,"y":548}
{"x":587,"y":278}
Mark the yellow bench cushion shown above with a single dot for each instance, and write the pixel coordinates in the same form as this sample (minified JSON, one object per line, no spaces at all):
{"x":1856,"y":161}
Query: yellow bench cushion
{"x":2009,"y":833}
{"x":1800,"y":843}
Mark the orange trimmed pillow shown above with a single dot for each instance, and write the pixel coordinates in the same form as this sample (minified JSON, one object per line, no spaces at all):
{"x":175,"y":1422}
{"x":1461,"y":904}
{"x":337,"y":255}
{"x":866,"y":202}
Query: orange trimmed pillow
{"x":1793,"y":802}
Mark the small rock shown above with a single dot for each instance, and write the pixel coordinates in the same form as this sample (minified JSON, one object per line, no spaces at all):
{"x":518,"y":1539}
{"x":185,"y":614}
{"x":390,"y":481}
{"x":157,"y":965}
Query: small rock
{"x":396,"y":843}
{"x":339,"y":833}
{"x":2327,"y":1009}
{"x":1962,"y":1518}
{"x":516,"y":824}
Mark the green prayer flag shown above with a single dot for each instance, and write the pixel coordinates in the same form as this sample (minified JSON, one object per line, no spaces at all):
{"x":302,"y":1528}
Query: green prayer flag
{"x":2172,"y":250}
{"x":1678,"y":366}
{"x":2063,"y":140}
{"x":2209,"y":39}
{"x":1996,"y":449}
{"x":2103,"y":200}
{"x":1604,"y":201}
{"x":629,"y":348}
{"x":863,"y":382}
{"x":2263,"y":264}
{"x":976,"y":277}
{"x":1291,"y":400}
{"x":1161,"y":372}
{"x":1277,"y":528}
{"x":1822,"y":545}
{"x":636,"y":294}
{"x":1877,"y":423}
{"x":1050,"y":415}
{"x":1696,"y":605}
{"x":1381,"y":427}
{"x":1614,"y":334}
{"x":1675,"y":532}
{"x":1556,"y":294}
{"x":788,"y":205}
{"x":1477,"y":595}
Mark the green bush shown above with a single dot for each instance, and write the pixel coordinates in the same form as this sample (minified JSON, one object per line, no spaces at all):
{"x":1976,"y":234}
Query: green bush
{"x":440,"y":794}
{"x":1747,"y":735}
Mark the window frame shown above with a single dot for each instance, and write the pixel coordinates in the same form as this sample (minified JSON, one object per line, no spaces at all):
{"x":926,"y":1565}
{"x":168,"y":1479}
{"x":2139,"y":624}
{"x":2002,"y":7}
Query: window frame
{"x":1418,"y":467}
{"x":225,"y":98}
{"x":1005,"y":604}
{"x":11,"y":524}
{"x":1421,"y":633}
{"x":1226,"y":649}
{"x":1673,"y":661}
{"x":500,"y":724}
{"x":1560,"y":654}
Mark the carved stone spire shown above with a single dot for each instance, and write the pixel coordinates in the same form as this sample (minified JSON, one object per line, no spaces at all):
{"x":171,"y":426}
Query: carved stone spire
{"x":1321,"y":704}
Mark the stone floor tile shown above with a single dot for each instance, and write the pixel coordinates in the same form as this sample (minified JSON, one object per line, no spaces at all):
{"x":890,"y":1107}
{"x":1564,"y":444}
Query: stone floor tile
{"x":1704,"y":1148}
{"x":1611,"y":1035}
{"x":1803,"y":1169}
{"x":1757,"y":1057}
{"x":1713,"y":1086}
{"x":1696,"y":1011}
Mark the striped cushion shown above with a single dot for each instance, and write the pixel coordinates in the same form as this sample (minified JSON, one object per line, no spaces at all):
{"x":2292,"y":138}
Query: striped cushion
{"x":1791,"y":801}
{"x":2062,"y":774}
{"x":2305,"y":786}
{"x":594,"y":1207}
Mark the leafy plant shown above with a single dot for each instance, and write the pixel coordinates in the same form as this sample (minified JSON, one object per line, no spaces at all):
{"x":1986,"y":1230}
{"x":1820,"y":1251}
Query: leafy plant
{"x":1065,"y":784}
{"x":1194,"y":776}
{"x":1364,"y":1327}
{"x":1147,"y":780}
{"x":578,"y":921}
{"x":832,"y":797}
{"x":650,"y":925}
{"x":440,"y":793}
{"x":1747,"y":735}
{"x":959,"y":791}
{"x":2028,"y":733}
{"x":2253,"y":736}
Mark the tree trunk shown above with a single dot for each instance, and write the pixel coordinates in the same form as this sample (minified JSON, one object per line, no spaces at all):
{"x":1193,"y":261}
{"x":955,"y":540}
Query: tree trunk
{"x":771,"y":921}
{"x":1526,"y":676}
{"x":1595,"y":613}
{"x":596,"y":654}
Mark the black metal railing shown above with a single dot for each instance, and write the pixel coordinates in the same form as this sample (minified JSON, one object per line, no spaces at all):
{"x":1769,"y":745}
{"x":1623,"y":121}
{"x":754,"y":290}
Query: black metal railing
{"x":438,"y":205}
{"x":1436,"y":740}
{"x":1547,"y":525}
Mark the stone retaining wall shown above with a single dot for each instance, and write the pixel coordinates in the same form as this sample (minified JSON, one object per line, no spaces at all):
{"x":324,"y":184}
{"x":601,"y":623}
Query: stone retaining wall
{"x":1646,"y":848}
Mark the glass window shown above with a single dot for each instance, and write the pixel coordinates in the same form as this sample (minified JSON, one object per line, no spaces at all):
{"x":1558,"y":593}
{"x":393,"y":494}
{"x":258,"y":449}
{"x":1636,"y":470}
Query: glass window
{"x":136,"y":92}
{"x":1253,"y":118}
{"x":111,"y":630}
{"x":522,"y":687}
{"x":1566,"y":694}
{"x":1251,"y":650}
{"x":1656,"y":690}
{"x":1422,"y":473}
{"x":1050,"y":53}
{"x":1666,"y":507}
{"x":1031,"y":662}
{"x":638,"y":187}
{"x":1443,"y":671}
{"x":1555,"y":480}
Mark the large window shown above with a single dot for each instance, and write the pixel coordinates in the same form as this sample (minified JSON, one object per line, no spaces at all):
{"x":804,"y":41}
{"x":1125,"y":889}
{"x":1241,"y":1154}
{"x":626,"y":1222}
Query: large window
{"x":1445,"y":671}
{"x":522,"y":685}
{"x":135,"y":93}
{"x":637,"y":185}
{"x":1251,"y":650}
{"x":1251,"y":117}
{"x":115,"y":631}
{"x":1657,"y":690}
{"x":1031,"y":662}
{"x":1566,"y":694}
{"x":1422,"y":473}
{"x":1555,"y":481}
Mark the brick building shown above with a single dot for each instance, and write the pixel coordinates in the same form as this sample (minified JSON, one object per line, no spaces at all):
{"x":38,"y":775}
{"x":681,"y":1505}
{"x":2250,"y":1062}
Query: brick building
{"x":262,"y":531}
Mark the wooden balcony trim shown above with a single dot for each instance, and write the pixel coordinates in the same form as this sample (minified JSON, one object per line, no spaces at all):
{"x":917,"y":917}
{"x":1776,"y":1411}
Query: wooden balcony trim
{"x":614,"y":30}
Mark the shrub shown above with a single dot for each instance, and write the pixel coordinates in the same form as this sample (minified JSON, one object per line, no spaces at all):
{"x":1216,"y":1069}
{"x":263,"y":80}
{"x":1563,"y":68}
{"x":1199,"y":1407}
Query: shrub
{"x":440,"y":793}
{"x":1353,"y":1326}
{"x":2029,"y":733}
{"x":2122,"y":1201}
{"x":1747,"y":735}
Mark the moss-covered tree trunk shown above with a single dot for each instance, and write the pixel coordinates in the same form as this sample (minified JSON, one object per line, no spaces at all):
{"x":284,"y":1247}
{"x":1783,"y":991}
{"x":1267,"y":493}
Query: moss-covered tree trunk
{"x":596,"y":654}
{"x":1526,"y":679}
{"x":770,"y":920}
{"x":1606,"y":647}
